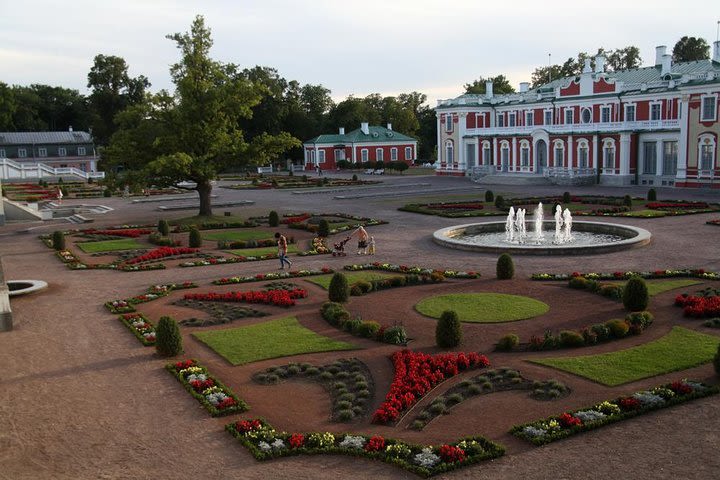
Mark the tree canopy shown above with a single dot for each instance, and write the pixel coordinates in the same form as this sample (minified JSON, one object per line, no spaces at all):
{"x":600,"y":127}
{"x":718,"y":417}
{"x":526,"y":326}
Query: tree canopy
{"x":689,"y":49}
{"x":618,"y":59}
{"x":501,"y":85}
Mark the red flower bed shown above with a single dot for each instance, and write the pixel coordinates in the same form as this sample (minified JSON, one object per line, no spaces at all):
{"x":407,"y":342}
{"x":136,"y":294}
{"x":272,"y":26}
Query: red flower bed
{"x":296,"y":219}
{"x":629,"y":403}
{"x":375,"y":444}
{"x":296,"y":440}
{"x":676,"y":206}
{"x":244,"y":426}
{"x":282,"y":298}
{"x":450,"y":454}
{"x":416,"y":374}
{"x":699,"y":307}
{"x":567,"y":420}
{"x":680,"y":388}
{"x":131,"y":233}
{"x":161,"y":252}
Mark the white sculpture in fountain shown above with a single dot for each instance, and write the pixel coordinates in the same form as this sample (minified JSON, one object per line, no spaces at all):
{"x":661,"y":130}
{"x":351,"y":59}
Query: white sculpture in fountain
{"x":567,"y":226}
{"x":538,"y":221}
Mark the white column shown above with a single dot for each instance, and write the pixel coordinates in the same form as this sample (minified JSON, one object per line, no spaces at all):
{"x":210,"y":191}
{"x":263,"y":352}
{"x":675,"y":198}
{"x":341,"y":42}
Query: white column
{"x":439,"y":141}
{"x":624,"y":154}
{"x":658,"y":157}
{"x":570,"y":152}
{"x":596,"y":150}
{"x":512,"y":152}
{"x":461,"y":160}
{"x":683,"y":140}
{"x":494,"y":153}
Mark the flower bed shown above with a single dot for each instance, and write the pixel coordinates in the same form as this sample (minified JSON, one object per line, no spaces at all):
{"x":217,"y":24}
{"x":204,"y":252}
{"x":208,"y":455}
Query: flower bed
{"x":569,"y":423}
{"x":119,"y":306}
{"x":157,"y":291}
{"x":389,"y":267}
{"x":699,"y":306}
{"x":130,"y":233}
{"x":140,"y":326}
{"x":160,"y":253}
{"x":217,"y":399}
{"x":623,"y":275}
{"x":281,"y":298}
{"x":272,"y":276}
{"x":713,"y":222}
{"x":677,"y":205}
{"x":416,"y":374}
{"x":265,"y":443}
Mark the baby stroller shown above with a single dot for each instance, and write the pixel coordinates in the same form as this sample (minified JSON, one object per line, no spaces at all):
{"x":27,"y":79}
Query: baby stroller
{"x":339,"y":248}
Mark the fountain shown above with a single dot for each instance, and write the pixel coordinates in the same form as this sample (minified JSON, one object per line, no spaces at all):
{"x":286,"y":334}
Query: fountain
{"x":570,"y":238}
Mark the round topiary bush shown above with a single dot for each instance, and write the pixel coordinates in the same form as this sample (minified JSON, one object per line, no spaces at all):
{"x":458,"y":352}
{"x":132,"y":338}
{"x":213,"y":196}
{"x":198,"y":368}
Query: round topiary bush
{"x":163,"y":227}
{"x":323,"y":228}
{"x":195,"y":240}
{"x":339,"y":290}
{"x":505,"y":268}
{"x":273,"y":218}
{"x":508,"y":342}
{"x":652,"y":195}
{"x":571,"y":339}
{"x":618,"y":328}
{"x":566,"y":197}
{"x":168,"y":341}
{"x":499,"y":202}
{"x":489,"y":196}
{"x":58,"y":240}
{"x":635,"y":295}
{"x":448,"y":333}
{"x":627,"y":201}
{"x":354,"y":177}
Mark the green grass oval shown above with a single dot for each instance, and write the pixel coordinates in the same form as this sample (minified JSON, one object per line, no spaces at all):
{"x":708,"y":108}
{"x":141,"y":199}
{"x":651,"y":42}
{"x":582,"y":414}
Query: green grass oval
{"x":483,"y":307}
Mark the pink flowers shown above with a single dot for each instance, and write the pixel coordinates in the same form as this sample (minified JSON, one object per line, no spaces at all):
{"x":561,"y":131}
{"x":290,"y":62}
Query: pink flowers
{"x":281,"y":298}
{"x":161,"y":252}
{"x":416,"y":374}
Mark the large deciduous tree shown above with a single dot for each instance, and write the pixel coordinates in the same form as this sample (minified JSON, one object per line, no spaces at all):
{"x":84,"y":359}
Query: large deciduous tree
{"x":501,"y":85}
{"x":688,"y":49}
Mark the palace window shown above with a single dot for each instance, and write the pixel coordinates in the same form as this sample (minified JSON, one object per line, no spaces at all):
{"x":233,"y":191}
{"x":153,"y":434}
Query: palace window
{"x":408,"y":153}
{"x":649,"y":158}
{"x":393,"y":154}
{"x":62,"y":152}
{"x":609,"y":155}
{"x":629,"y":113}
{"x":486,"y":153}
{"x":655,"y":110}
{"x":582,"y":154}
{"x":529,"y":119}
{"x":605,"y":114}
{"x":449,"y":153}
{"x":500,"y":120}
{"x":707,"y":153}
{"x":511,"y":119}
{"x":670,"y":151}
{"x":321,"y":156}
{"x":2,"y":153}
{"x":22,"y":153}
{"x":559,"y":154}
{"x":524,"y":154}
{"x":364,"y":155}
{"x":586,"y":115}
{"x":339,"y":154}
{"x":505,"y":154}
{"x":448,"y":122}
{"x":81,"y":151}
{"x":548,"y":117}
{"x":568,"y":116}
{"x":312,"y":156}
{"x":379,"y":155}
{"x":42,"y":152}
{"x":709,"y":110}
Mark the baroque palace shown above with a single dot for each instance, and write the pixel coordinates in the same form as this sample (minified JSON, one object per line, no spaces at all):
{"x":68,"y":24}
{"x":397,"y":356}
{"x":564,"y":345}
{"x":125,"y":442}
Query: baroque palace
{"x":655,"y":126}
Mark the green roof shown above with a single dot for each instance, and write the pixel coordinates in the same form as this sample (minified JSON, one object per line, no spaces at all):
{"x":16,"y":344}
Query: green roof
{"x":374,"y":135}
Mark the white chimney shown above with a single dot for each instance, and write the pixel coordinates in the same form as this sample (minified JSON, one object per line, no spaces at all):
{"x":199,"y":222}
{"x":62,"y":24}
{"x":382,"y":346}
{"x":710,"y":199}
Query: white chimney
{"x":524,"y":86}
{"x":70,"y":128}
{"x":365,"y":128}
{"x":489,"y":89}
{"x":599,"y":64}
{"x":389,"y":127}
{"x":666,"y":64}
{"x":342,"y":131}
{"x":716,"y":51}
{"x":659,"y":52}
{"x":587,"y":68}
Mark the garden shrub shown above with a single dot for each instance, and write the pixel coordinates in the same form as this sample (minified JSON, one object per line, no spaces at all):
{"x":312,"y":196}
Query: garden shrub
{"x":652,"y":195}
{"x":601,"y":331}
{"x":508,"y":342}
{"x":611,"y":291}
{"x":579,"y":283}
{"x":368,"y":329}
{"x":593,"y":286}
{"x":489,"y":196}
{"x":339,"y":290}
{"x":168,"y":341}
{"x":352,"y":325}
{"x":566,"y":197}
{"x":635,"y":295}
{"x":107,"y":193}
{"x":716,"y":361}
{"x":589,"y":336}
{"x":356,"y":291}
{"x":395,"y":335}
{"x":549,"y":341}
{"x":157,"y":239}
{"x":334,"y":313}
{"x":273,"y":218}
{"x":437,"y":277}
{"x":448,"y":332}
{"x":639,"y":320}
{"x":195,"y":240}
{"x":618,"y":328}
{"x":58,"y":240}
{"x":627,"y":201}
{"x":163,"y":227}
{"x":499,"y":202}
{"x":323,"y":228}
{"x":570,"y":339}
{"x":366,"y":287}
{"x":505,"y":268}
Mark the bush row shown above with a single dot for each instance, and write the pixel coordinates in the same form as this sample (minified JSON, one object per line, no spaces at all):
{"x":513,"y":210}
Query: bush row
{"x":335,"y":314}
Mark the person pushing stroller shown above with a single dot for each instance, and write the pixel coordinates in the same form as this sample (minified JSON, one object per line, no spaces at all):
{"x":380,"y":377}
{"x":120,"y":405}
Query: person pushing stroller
{"x":339,"y":248}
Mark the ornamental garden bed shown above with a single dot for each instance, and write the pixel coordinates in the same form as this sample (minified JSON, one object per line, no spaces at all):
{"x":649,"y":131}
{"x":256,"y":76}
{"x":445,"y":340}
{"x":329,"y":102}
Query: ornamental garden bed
{"x":614,"y":290}
{"x":273,"y":276}
{"x":217,"y":399}
{"x":483,"y":307}
{"x":296,"y":181}
{"x":220,"y":313}
{"x":140,"y":326}
{"x":704,"y":304}
{"x":347,"y":380}
{"x":596,"y":416}
{"x":624,"y":275}
{"x":265,"y":443}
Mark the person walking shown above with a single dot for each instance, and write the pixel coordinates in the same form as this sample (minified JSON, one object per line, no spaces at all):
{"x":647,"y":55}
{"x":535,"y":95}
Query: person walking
{"x":371,"y":246}
{"x":362,"y":240}
{"x":282,"y":251}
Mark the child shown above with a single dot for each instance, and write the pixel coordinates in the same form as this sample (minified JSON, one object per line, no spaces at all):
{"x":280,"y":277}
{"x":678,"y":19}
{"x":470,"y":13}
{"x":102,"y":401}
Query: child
{"x":371,"y":246}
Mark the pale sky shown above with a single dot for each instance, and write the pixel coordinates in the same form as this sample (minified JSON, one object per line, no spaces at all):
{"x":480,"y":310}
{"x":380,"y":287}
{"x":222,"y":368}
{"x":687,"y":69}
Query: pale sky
{"x":350,"y":47}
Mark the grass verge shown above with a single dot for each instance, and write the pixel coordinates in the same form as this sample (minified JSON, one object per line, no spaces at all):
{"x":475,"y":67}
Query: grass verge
{"x":483,"y":307}
{"x":352,"y":277}
{"x":110,"y":245}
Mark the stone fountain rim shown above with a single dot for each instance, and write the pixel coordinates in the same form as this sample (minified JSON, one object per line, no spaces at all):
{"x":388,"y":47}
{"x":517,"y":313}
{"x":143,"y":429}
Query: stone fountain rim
{"x":35,"y":285}
{"x":639,"y":237}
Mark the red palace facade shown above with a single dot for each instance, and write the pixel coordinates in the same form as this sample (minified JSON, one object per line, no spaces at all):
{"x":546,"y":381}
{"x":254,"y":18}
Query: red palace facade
{"x":654,"y":125}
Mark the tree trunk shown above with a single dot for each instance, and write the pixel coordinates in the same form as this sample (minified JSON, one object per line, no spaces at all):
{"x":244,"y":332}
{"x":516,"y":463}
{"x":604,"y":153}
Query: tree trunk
{"x":204,"y":189}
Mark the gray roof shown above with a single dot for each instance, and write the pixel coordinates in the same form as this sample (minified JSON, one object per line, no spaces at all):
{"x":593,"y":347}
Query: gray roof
{"x":374,"y":135}
{"x":41,"y":138}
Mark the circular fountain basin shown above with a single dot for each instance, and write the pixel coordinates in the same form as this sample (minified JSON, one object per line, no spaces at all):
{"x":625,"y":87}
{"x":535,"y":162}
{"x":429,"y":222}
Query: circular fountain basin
{"x":589,"y":237}
{"x":21,"y":287}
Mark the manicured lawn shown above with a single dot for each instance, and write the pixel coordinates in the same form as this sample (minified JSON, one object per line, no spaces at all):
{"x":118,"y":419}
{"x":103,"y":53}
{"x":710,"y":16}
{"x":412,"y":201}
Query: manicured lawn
{"x":483,"y":307}
{"x":238,"y":235}
{"x":678,"y":350}
{"x":197,"y":220}
{"x":256,"y":252}
{"x":352,"y":277}
{"x":656,"y":287}
{"x":277,"y":338}
{"x":110,"y":245}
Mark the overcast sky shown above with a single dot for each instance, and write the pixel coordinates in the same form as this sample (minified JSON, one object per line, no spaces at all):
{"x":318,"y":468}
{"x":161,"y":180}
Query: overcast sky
{"x":350,"y":47}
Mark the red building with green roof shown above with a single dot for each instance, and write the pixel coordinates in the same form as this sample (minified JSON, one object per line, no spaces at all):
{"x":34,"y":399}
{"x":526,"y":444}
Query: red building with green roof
{"x":363,"y":147}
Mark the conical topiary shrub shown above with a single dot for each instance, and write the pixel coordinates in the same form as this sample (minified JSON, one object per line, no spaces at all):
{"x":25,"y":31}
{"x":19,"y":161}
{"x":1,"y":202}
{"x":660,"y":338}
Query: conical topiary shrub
{"x":566,"y":197}
{"x":448,"y":332}
{"x":339,"y":289}
{"x":163,"y":227}
{"x":499,"y":202}
{"x":58,"y":240}
{"x":195,"y":240}
{"x":323,"y":228}
{"x":716,"y":361}
{"x":505,"y":268}
{"x":635,"y":295}
{"x":168,"y":341}
{"x":489,"y":196}
{"x":652,"y":195}
{"x":627,"y":201}
{"x":273,"y":218}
